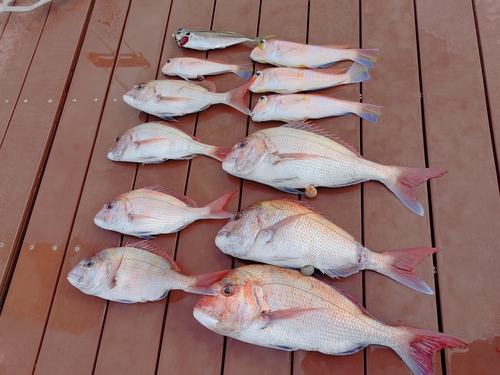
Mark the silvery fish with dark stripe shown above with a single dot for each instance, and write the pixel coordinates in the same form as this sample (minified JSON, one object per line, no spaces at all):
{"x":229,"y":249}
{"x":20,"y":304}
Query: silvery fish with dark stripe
{"x":206,"y":40}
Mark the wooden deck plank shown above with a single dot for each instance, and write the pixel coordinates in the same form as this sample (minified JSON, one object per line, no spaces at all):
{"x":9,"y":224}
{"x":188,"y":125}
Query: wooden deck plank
{"x":18,"y":43}
{"x":27,"y":305}
{"x":76,"y":319}
{"x":397,"y":139}
{"x":207,"y":181}
{"x":337,"y":23}
{"x":487,"y":14}
{"x":465,"y":202}
{"x":33,"y":124}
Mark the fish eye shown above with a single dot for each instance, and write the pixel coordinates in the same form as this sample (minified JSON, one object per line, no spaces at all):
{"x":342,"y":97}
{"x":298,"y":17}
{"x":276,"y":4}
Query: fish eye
{"x":227,"y":291}
{"x":89,"y":264}
{"x":262,"y":98}
{"x":118,"y":138}
{"x":242,"y":144}
{"x":169,"y":61}
{"x":237,"y":216}
{"x":258,"y":74}
{"x":139,"y":86}
{"x":188,"y":33}
{"x":110,"y":205}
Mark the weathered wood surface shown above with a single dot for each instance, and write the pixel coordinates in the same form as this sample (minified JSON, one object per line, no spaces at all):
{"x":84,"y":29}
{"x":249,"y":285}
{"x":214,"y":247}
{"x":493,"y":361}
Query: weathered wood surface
{"x":437,"y":79}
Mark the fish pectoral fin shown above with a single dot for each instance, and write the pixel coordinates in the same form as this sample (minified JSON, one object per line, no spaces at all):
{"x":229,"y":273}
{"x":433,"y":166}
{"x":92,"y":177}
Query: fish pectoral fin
{"x":270,"y":232}
{"x":161,"y":98}
{"x":277,"y":157}
{"x":271,"y":317}
{"x":147,"y":142}
{"x":343,"y":272}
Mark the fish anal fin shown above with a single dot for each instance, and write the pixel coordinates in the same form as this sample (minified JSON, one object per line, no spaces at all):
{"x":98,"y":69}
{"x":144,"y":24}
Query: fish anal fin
{"x":343,"y":272}
{"x":323,"y":65}
{"x":183,"y":198}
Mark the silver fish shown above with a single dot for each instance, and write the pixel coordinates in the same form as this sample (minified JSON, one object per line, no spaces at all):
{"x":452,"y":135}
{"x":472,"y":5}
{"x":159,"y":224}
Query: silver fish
{"x":297,"y":155}
{"x":168,"y":98}
{"x":155,"y":210}
{"x":293,"y":234}
{"x":206,"y":40}
{"x":154,"y":142}
{"x":137,"y":272}
{"x":282,"y":309}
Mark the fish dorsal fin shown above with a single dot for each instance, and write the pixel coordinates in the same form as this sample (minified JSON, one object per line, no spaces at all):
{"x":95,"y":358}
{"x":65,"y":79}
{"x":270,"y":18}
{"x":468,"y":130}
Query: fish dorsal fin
{"x":183,"y":198}
{"x":151,"y":247}
{"x":206,"y":84}
{"x":170,"y":125}
{"x":308,"y":127}
{"x":343,"y":46}
{"x":308,"y":206}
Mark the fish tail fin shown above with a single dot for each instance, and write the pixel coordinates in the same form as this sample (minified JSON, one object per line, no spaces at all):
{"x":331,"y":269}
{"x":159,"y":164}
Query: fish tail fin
{"x":216,"y":208}
{"x":234,"y":98}
{"x":369,"y":112}
{"x":357,"y":73}
{"x":399,"y":264}
{"x":417,"y":346}
{"x":404,"y":180}
{"x":366,"y":57}
{"x":201,"y":284}
{"x":218,"y":152}
{"x":244,"y":71}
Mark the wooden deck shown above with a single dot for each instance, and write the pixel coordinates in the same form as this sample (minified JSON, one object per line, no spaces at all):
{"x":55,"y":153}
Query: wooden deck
{"x":63,"y":70}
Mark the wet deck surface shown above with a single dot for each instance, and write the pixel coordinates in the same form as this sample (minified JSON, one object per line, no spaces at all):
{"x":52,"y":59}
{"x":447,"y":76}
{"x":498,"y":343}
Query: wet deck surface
{"x":63,"y":70}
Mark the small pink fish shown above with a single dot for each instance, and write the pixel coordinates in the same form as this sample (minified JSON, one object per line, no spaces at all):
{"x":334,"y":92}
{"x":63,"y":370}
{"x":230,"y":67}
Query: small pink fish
{"x":298,"y":55}
{"x":155,"y":210}
{"x":291,"y":80}
{"x":137,"y":272}
{"x":295,"y":107}
{"x":283,"y":309}
{"x":188,"y":67}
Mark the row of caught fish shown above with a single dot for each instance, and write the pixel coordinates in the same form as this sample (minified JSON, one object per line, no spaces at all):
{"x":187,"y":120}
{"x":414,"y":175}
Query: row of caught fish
{"x":291,"y":157}
{"x":253,"y":304}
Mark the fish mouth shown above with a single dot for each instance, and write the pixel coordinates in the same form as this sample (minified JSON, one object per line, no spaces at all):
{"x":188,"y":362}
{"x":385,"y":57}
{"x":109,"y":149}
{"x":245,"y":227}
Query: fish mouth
{"x":74,"y":279}
{"x":204,"y":318}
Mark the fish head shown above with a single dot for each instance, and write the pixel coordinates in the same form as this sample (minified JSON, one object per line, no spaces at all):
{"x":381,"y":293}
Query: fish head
{"x":265,"y":109}
{"x":262,"y":79}
{"x":182,"y":36}
{"x":114,"y":215}
{"x":246,"y":155}
{"x":91,"y":274}
{"x":238,"y":235}
{"x":121,"y":144}
{"x":140,"y":94}
{"x":238,"y":303}
{"x":262,"y":50}
{"x":171,"y":66}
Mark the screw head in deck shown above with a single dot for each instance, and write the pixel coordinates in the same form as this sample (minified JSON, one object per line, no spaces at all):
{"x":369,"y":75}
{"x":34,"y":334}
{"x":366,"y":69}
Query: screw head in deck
{"x":54,"y":248}
{"x":77,"y":248}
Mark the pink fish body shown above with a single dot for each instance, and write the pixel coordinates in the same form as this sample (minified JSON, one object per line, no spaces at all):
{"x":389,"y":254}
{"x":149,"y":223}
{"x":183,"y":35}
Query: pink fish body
{"x":138,"y":272}
{"x":169,"y":98}
{"x":295,"y":107}
{"x":298,"y":55}
{"x":293,"y":234}
{"x":292,"y":80}
{"x":282,"y":309}
{"x":297,"y":155}
{"x":155,"y":210}
{"x":154,"y":142}
{"x":189,"y":68}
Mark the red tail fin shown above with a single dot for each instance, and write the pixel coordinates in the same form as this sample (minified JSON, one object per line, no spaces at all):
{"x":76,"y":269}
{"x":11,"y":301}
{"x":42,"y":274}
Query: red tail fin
{"x":416,"y":352}
{"x":217,"y":207}
{"x":234,"y":98}
{"x":202,"y":283}
{"x":219,"y":152}
{"x":406,"y":179}
{"x":399,"y":264}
